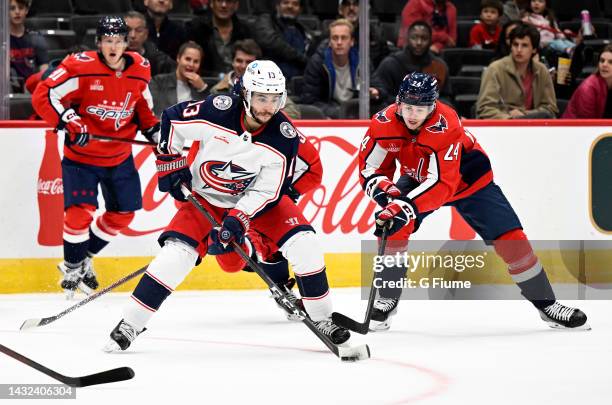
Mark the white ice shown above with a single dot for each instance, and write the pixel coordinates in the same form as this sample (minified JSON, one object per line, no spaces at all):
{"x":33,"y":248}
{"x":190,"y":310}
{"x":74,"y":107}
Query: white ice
{"x":230,"y":347}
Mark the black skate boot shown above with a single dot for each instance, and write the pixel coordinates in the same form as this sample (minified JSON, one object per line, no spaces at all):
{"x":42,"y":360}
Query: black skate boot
{"x":560,"y":316}
{"x":384,"y":309}
{"x":337,"y":334}
{"x":122,"y":337}
{"x":287,"y":288}
{"x":89,"y":281}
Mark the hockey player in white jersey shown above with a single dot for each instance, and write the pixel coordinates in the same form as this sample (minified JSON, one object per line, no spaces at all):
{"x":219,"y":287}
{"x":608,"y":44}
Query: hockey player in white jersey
{"x":243,"y":168}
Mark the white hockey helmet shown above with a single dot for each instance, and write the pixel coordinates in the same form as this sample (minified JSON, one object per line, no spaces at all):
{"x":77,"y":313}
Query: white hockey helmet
{"x":263,"y":76}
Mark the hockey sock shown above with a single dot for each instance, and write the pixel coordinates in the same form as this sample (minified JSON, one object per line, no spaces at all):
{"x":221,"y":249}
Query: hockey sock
{"x":75,"y":253}
{"x":278,"y":271}
{"x":525,"y":268}
{"x":315,"y":294}
{"x":391,"y":276}
{"x":146,"y":300}
{"x":106,"y":227}
{"x":167,"y":270}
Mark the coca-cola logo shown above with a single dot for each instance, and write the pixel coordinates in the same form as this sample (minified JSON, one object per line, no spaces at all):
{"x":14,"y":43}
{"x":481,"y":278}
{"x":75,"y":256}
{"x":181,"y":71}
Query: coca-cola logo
{"x":51,"y":187}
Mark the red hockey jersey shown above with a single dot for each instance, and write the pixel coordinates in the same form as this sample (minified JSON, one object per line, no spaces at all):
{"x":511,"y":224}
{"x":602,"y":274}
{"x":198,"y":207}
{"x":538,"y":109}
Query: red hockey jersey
{"x":111,"y":103}
{"x":443,"y":158}
{"x":308,"y":169}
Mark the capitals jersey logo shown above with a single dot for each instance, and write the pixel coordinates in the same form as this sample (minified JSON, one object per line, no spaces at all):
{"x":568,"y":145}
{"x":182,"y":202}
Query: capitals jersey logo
{"x":226,"y":177}
{"x":440,"y":126}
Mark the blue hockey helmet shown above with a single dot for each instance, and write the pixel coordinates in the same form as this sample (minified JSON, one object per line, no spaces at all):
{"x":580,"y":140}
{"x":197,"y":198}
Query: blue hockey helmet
{"x":419,"y":89}
{"x":111,"y":26}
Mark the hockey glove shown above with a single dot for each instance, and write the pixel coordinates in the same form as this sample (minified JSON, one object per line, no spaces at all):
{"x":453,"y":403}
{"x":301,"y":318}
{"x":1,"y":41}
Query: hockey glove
{"x":381,"y":189}
{"x":235,"y":225}
{"x":76,"y":130}
{"x":152,"y":134}
{"x":395,"y":216}
{"x":172,"y":171}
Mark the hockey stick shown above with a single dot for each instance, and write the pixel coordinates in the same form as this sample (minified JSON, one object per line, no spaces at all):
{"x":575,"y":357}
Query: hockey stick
{"x":363,"y":327}
{"x":104,"y":377}
{"x":344,"y":353}
{"x":132,"y":141}
{"x":36,"y":322}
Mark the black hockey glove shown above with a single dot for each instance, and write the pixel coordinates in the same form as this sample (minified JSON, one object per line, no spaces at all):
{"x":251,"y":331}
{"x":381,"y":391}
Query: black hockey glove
{"x":395,"y":216}
{"x":235,"y":225}
{"x":172,"y":171}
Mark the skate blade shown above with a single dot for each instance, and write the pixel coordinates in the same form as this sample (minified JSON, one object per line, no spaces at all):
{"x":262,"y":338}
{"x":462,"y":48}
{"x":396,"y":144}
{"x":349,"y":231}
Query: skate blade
{"x":84,"y":289}
{"x":555,"y":325}
{"x":352,"y":354}
{"x":111,"y":347}
{"x":376,"y":326}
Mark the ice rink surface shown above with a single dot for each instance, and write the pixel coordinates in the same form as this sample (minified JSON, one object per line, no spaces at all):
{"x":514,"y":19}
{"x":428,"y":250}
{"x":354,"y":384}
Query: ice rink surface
{"x":230,"y":347}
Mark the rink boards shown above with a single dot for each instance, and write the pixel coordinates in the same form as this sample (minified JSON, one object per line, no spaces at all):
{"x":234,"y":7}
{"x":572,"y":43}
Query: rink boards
{"x":544,"y":167}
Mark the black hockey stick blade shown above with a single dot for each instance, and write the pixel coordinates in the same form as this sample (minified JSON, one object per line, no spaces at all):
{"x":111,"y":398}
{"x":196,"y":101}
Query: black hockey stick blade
{"x":349,"y":323}
{"x":105,"y":377}
{"x":36,"y":322}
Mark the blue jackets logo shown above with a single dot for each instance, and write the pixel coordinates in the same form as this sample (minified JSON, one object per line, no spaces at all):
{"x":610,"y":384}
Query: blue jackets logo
{"x":226,"y":177}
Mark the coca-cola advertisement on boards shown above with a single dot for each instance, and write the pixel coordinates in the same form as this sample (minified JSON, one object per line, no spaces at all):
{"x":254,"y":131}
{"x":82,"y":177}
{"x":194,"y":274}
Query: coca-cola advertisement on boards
{"x":50,"y":193}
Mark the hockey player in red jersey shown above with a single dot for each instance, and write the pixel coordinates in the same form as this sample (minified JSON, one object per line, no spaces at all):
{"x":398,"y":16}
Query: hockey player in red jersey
{"x":241,"y":173}
{"x":308,"y":175}
{"x":441,"y":163}
{"x":104,"y":92}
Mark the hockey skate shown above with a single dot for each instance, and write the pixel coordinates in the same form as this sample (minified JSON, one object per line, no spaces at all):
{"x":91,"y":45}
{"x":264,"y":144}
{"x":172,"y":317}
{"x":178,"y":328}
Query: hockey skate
{"x":337,"y":334}
{"x":89,"y":281}
{"x":287,"y":289}
{"x":71,"y":278}
{"x":121,"y":337}
{"x":383,"y":311}
{"x":559,"y":316}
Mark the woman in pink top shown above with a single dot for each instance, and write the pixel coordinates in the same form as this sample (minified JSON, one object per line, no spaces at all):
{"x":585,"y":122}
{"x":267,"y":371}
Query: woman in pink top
{"x":592,"y":99}
{"x":441,"y":15}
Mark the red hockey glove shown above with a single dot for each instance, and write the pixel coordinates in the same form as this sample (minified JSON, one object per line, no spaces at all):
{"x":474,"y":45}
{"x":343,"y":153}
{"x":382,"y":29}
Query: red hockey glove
{"x":76,"y":130}
{"x":380,"y":189}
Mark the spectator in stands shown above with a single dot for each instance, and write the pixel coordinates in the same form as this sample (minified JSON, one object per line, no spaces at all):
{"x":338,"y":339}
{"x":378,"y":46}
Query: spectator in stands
{"x":28,"y":53}
{"x":167,"y":35}
{"x":416,"y":57}
{"x":245,"y":52}
{"x":138,"y":42}
{"x":331,"y":75}
{"x":518,"y":86}
{"x":503,"y":44}
{"x":593,"y":98}
{"x":543,"y":18}
{"x":485,"y":34}
{"x":183,"y":84}
{"x":349,"y":9}
{"x":283,"y":38}
{"x":514,"y":10}
{"x":217,"y":32}
{"x":440,"y":14}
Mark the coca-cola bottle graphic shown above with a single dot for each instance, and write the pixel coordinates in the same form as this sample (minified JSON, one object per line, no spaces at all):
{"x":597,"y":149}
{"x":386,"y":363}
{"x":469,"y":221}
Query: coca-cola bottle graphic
{"x":50,"y":194}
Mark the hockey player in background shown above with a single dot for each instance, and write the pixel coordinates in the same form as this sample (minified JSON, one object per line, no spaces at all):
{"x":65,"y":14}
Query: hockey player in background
{"x":245,"y":163}
{"x":441,"y":163}
{"x":104,"y":92}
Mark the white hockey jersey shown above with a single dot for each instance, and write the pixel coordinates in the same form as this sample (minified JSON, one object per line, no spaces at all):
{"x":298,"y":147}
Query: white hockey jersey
{"x":233,"y":168}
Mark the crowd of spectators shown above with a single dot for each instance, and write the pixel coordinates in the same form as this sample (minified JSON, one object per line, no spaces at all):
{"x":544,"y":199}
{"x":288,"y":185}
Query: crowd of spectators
{"x":493,"y":59}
